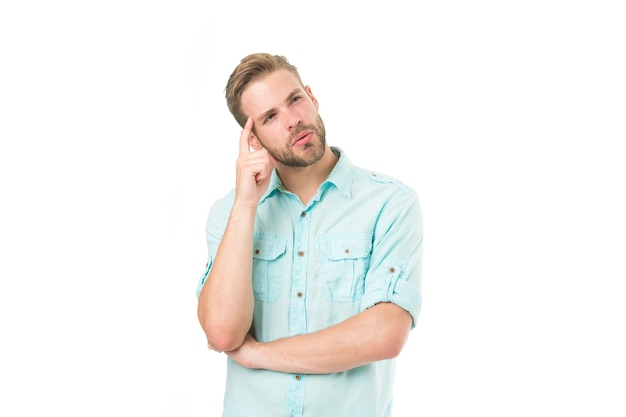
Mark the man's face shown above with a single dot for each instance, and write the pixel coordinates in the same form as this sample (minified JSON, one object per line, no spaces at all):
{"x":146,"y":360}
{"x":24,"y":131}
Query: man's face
{"x":286,"y":121}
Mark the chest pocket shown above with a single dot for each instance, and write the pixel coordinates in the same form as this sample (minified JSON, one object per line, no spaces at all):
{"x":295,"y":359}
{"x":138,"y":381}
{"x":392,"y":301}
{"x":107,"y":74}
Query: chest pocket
{"x":268,"y":265}
{"x":344,"y":261}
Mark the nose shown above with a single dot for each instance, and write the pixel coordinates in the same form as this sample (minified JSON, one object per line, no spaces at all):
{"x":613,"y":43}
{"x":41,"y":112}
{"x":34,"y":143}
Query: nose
{"x":293,"y":121}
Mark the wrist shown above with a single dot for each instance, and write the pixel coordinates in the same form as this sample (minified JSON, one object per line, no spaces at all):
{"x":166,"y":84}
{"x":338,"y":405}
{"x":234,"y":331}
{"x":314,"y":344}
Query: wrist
{"x":244,"y":208}
{"x":255,"y":356}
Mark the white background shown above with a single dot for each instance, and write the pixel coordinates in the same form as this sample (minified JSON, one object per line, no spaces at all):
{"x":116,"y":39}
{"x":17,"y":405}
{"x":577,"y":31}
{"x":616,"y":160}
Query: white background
{"x":506,"y":117}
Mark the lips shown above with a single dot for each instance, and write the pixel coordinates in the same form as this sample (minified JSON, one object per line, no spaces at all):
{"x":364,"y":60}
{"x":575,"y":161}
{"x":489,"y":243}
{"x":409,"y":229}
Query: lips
{"x":303,"y":138}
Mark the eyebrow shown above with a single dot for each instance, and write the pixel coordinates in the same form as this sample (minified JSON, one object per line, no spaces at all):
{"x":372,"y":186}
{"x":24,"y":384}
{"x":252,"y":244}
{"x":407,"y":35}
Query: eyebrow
{"x":291,"y":95}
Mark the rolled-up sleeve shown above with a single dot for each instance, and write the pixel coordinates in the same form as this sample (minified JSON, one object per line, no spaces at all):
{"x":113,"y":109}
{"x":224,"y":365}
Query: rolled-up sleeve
{"x":215,"y":227}
{"x":395,"y":272}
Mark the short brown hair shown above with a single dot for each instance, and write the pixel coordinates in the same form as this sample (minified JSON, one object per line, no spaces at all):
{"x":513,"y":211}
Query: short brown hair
{"x":251,"y":68}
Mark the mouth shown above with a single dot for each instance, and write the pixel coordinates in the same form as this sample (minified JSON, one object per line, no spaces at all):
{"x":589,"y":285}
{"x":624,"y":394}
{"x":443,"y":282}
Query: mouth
{"x":303,"y":138}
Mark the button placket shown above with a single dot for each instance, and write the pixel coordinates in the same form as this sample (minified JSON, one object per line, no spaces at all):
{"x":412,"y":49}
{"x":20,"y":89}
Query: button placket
{"x":297,"y":308}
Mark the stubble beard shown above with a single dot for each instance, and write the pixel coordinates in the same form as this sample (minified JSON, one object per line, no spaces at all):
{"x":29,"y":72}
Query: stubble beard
{"x":313,"y":151}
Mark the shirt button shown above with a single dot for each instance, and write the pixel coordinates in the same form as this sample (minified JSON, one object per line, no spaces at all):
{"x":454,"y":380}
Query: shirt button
{"x":298,"y":377}
{"x":300,"y":253}
{"x":392,"y":270}
{"x":257,"y":251}
{"x":303,"y":214}
{"x":299,"y":294}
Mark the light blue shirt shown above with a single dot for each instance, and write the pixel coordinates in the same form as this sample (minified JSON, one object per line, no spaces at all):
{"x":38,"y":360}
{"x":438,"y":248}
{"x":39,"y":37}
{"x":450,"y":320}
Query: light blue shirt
{"x":357,"y":243}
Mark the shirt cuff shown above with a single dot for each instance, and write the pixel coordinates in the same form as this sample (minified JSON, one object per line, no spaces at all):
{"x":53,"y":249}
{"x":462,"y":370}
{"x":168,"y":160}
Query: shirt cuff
{"x":394,"y":286}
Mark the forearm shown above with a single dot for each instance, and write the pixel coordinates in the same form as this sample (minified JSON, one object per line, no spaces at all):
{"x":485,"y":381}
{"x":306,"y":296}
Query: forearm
{"x":226,"y":302}
{"x":331,"y":350}
{"x":376,"y":334}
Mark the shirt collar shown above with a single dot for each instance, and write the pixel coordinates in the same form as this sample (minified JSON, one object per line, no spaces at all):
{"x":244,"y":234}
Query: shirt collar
{"x":275,"y":186}
{"x":340,"y":177}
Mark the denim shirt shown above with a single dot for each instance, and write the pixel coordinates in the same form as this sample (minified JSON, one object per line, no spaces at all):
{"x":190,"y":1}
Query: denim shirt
{"x":357,"y":243}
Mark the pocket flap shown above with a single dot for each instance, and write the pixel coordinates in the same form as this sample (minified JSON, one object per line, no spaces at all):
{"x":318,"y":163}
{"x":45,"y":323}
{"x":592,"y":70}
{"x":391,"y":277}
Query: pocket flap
{"x":346,"y":247}
{"x":268,"y":249}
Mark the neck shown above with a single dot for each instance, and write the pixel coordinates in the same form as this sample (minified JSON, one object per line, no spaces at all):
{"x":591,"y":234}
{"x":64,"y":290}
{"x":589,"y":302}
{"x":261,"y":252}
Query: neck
{"x":305,"y":181}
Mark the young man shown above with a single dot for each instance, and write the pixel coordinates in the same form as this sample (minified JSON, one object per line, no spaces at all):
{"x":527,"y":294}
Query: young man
{"x":314,"y":271}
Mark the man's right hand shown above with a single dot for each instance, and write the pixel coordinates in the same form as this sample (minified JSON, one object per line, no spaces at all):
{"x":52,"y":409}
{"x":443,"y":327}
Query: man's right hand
{"x":254,"y":170}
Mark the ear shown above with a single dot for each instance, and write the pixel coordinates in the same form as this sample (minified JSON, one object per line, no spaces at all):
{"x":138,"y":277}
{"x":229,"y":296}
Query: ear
{"x":255,"y":143}
{"x":311,"y":96}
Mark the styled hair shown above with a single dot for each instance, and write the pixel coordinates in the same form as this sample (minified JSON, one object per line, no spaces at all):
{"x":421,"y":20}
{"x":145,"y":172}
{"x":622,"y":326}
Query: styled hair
{"x":250,"y":69}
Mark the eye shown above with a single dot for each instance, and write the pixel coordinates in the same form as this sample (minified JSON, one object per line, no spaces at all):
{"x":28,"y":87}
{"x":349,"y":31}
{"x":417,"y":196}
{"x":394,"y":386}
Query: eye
{"x":295,"y":99}
{"x":268,"y":118}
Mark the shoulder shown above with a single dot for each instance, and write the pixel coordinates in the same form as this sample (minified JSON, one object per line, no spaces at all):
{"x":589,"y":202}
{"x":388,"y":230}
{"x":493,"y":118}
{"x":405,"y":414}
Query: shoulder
{"x":220,"y":209}
{"x":226,"y":200}
{"x":375,"y":180}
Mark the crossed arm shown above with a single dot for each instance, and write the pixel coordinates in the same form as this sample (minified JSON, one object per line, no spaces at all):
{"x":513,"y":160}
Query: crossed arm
{"x":375,"y":334}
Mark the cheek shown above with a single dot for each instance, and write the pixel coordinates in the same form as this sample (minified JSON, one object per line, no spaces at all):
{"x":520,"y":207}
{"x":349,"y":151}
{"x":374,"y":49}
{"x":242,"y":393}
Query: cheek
{"x":263,"y":141}
{"x":270,"y":138}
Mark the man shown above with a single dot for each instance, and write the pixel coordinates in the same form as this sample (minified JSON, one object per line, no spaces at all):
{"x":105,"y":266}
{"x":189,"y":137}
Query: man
{"x":313,"y":279}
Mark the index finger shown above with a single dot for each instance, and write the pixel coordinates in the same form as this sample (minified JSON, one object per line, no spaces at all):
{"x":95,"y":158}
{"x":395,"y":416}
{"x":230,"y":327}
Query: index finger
{"x":244,"y":140}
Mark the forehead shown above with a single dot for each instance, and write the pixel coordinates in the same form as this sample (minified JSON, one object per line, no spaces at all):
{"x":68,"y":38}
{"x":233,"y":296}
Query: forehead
{"x":269,"y":91}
